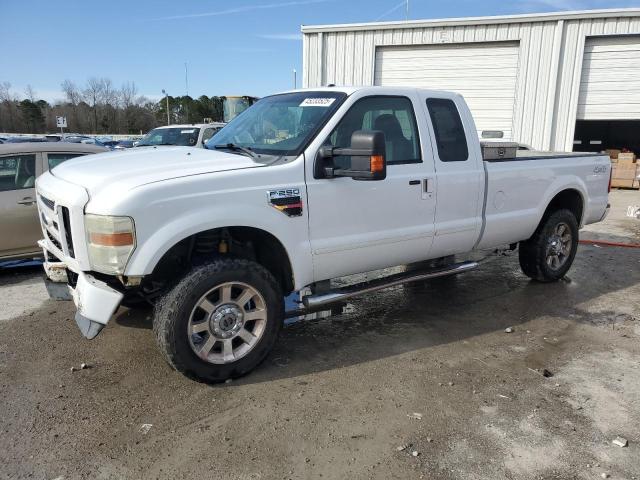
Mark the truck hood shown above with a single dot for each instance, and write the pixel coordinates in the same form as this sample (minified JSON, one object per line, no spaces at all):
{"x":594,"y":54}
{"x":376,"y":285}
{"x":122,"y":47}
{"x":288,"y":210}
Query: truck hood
{"x":142,"y":165}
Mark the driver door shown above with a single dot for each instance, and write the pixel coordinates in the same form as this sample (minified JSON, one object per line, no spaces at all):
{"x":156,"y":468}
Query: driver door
{"x":357,"y":226}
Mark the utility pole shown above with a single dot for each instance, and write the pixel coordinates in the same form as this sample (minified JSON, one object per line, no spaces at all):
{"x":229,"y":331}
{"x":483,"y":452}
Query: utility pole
{"x":166,"y":96}
{"x":295,"y":79}
{"x":186,"y":86}
{"x":186,"y":78}
{"x":407,"y":12}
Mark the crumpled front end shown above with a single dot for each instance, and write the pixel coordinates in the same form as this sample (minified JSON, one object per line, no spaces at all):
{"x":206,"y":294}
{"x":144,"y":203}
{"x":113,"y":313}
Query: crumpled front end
{"x":67,"y":267}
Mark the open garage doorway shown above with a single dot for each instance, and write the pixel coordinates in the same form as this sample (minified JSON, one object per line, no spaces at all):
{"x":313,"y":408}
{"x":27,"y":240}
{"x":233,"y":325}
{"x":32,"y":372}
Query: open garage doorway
{"x":599,"y":135}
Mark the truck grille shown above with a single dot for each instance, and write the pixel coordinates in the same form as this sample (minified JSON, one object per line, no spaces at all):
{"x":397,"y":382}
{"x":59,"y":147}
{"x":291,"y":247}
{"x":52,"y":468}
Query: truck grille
{"x":56,"y":223}
{"x":53,"y":240}
{"x":67,"y":231}
{"x":47,"y":202}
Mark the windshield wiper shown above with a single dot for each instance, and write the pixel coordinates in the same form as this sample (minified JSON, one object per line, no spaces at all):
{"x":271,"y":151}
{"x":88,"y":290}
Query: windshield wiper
{"x":237,"y":148}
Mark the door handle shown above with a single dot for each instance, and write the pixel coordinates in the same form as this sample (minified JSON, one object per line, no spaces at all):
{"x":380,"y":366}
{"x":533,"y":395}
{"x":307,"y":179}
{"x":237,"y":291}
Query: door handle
{"x":427,"y":189}
{"x":414,"y":182}
{"x":26,"y":201}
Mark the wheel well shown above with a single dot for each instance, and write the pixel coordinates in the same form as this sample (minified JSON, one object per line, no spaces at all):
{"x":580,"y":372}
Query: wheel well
{"x":241,"y":242}
{"x":569,"y":199}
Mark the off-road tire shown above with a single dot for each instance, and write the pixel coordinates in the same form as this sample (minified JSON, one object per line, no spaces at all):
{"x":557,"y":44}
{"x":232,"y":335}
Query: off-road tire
{"x":173,"y":310}
{"x":533,"y":252}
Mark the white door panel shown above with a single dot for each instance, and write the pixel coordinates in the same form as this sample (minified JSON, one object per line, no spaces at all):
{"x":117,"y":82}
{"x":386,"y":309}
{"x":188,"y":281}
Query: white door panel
{"x":610,"y":81}
{"x":460,"y":178}
{"x":357,"y":226}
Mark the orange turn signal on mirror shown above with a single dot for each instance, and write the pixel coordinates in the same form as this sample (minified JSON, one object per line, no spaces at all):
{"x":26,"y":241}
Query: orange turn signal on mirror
{"x":377,"y":163}
{"x":121,"y":239}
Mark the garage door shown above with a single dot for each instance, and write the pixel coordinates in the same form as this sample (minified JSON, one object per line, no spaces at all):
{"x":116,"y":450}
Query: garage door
{"x":610,"y":82}
{"x":485,"y":73}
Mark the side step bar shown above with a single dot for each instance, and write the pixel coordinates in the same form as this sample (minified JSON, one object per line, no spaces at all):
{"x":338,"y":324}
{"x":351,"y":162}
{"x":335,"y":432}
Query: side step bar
{"x":313,"y":302}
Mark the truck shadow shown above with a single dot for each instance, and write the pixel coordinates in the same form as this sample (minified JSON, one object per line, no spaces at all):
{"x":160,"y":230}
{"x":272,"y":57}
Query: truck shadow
{"x":414,"y":317}
{"x":426,"y":315}
{"x":14,"y":273}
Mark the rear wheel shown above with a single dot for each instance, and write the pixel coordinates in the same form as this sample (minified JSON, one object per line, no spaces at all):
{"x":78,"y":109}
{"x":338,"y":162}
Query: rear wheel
{"x":221,"y":320}
{"x":549,"y":253}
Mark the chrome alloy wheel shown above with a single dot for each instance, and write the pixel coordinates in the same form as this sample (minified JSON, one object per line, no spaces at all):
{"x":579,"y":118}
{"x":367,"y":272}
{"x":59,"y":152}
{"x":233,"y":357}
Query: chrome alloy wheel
{"x":227,"y":322}
{"x":559,"y":246}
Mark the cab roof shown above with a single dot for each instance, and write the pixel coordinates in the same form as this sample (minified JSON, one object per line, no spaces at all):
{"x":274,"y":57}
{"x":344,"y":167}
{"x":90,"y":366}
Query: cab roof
{"x":35,"y":147}
{"x":372,"y":90}
{"x":193,"y":125}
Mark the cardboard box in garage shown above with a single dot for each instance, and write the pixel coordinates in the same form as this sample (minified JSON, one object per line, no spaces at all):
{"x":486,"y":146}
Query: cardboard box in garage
{"x":625,"y":171}
{"x":626,"y":157}
{"x":624,"y":174}
{"x":624,"y":183}
{"x":613,"y":154}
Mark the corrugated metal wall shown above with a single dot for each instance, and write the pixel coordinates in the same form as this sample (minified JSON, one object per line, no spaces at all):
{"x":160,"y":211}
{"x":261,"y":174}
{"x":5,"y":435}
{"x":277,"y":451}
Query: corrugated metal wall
{"x":551,"y":55}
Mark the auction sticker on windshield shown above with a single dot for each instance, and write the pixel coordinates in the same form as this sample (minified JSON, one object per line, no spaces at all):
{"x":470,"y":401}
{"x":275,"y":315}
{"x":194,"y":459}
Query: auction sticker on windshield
{"x":317,"y":102}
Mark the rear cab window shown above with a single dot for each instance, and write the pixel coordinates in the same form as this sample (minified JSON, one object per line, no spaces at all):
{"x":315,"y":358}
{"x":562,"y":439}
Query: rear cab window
{"x":451,"y":139}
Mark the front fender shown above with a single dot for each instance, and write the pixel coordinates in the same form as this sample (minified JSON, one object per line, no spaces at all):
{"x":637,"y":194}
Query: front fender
{"x":159,"y":240}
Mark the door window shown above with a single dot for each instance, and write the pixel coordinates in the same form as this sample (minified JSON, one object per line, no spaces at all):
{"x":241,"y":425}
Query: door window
{"x":447,"y":126}
{"x":392,"y":115}
{"x":17,"y":172}
{"x":208,"y":133}
{"x":55,"y":159}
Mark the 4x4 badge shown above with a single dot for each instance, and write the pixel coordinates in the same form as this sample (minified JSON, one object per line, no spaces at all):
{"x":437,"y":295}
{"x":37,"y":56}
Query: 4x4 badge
{"x":287,"y":200}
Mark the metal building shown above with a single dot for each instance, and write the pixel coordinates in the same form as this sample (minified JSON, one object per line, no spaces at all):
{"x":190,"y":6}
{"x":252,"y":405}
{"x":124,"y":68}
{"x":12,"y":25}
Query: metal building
{"x":555,"y":81}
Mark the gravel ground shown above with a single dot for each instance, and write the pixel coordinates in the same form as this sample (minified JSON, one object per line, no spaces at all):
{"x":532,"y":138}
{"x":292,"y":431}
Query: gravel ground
{"x":414,"y":382}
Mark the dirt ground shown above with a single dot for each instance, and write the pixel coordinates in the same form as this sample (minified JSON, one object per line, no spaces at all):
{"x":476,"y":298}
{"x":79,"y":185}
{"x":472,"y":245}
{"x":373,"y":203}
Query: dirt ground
{"x":339,"y":397}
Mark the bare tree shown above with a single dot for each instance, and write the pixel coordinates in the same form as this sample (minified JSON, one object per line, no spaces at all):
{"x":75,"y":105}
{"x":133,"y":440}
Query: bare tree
{"x":8,"y":107}
{"x":30,"y":93}
{"x":74,"y":97}
{"x":93,"y":93}
{"x":71,"y":92}
{"x":128,"y":93}
{"x":5,"y":92}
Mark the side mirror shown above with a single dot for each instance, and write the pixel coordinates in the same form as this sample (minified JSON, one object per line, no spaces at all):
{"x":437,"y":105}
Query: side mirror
{"x":367,"y":153}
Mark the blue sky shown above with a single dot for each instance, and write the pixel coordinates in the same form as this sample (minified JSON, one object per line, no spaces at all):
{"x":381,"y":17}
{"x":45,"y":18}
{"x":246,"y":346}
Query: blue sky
{"x":246,"y":47}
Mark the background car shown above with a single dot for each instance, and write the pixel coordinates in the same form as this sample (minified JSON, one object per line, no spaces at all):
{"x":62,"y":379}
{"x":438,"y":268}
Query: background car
{"x":20,"y":164}
{"x":83,"y":139}
{"x":25,"y":140}
{"x":123,"y":144}
{"x":194,"y":135}
{"x":109,"y":143}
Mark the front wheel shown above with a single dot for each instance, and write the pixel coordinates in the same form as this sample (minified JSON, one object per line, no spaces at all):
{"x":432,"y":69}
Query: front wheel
{"x":549,"y":253}
{"x":220,"y":321}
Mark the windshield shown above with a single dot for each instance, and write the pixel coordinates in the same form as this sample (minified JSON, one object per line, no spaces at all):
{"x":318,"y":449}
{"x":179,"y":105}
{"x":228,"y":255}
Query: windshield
{"x":184,"y":136}
{"x":280,"y":124}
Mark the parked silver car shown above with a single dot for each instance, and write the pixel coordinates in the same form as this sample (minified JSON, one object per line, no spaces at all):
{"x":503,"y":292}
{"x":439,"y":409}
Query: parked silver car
{"x":20,"y":164}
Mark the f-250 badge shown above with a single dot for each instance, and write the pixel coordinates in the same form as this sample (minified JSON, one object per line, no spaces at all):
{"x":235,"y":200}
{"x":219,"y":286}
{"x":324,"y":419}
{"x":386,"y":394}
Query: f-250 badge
{"x":287,"y":200}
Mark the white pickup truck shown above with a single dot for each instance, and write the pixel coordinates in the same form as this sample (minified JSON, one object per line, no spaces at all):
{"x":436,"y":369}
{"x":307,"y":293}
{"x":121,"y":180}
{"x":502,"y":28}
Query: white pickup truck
{"x":303,"y":187}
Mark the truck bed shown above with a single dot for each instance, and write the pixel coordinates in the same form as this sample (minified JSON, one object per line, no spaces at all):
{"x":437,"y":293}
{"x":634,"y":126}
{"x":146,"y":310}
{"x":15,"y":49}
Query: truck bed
{"x":538,"y":155}
{"x":517,"y":190}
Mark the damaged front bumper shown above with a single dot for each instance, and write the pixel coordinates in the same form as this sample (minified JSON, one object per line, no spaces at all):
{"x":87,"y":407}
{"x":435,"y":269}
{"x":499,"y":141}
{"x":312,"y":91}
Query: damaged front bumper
{"x":95,"y":301}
